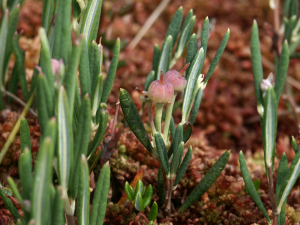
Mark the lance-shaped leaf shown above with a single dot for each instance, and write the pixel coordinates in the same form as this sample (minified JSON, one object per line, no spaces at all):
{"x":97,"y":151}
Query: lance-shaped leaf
{"x":256,"y":62}
{"x":3,"y":40}
{"x":45,"y":60}
{"x":138,"y":202}
{"x":42,"y":107}
{"x":187,"y":132}
{"x":194,"y":73}
{"x":47,"y":90}
{"x":176,"y":160}
{"x":295,"y":145}
{"x":129,"y":191}
{"x":100,"y":132}
{"x":15,"y":190}
{"x":47,"y":15}
{"x":62,"y":32}
{"x":26,"y":177}
{"x":95,"y":62}
{"x":184,"y":165}
{"x":12,"y":27}
{"x":83,"y":203}
{"x":175,"y":25}
{"x":155,"y":60}
{"x":205,"y":34}
{"x":57,"y":208}
{"x":41,"y":202}
{"x":133,"y":119}
{"x":91,"y":20}
{"x":24,"y":135}
{"x":178,"y":137}
{"x":84,"y":70}
{"x":286,"y":8}
{"x":81,"y":142}
{"x":161,"y":185}
{"x":250,"y":186}
{"x":153,"y":212}
{"x":191,"y":52}
{"x":184,"y":37}
{"x":206,"y":181}
{"x":287,"y":186}
{"x":165,"y":57}
{"x":96,"y":94}
{"x":20,"y":66}
{"x":147,"y":196}
{"x":281,"y":70}
{"x":138,"y":188}
{"x":217,"y":56}
{"x":172,"y":128}
{"x":269,"y":125}
{"x":111,"y":73}
{"x":100,"y":197}
{"x":289,"y":28}
{"x":65,"y":141}
{"x":196,"y":106}
{"x":10,"y":206}
{"x":162,"y":152}
{"x":149,"y":79}
{"x":71,"y":73}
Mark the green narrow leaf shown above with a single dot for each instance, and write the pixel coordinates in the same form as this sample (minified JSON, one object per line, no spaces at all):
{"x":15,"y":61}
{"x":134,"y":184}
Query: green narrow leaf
{"x":71,"y":73}
{"x":12,"y":27}
{"x":3,"y":40}
{"x":20,"y":66}
{"x":165,"y":57}
{"x":138,"y":188}
{"x":161,"y":185}
{"x":15,"y":190}
{"x":187,"y":132}
{"x":294,"y":144}
{"x":250,"y":186}
{"x":83,"y":203}
{"x":26,"y":177}
{"x":47,"y":15}
{"x":48,"y":94}
{"x":65,"y":141}
{"x":91,"y":20}
{"x":155,"y":60}
{"x":196,"y":106}
{"x":162,"y":152}
{"x":100,"y":132}
{"x":84,"y":70}
{"x":138,"y":202}
{"x":96,"y":94}
{"x":270,"y":126}
{"x":206,"y":181}
{"x":128,"y":191}
{"x":194,"y":73}
{"x":281,"y":175}
{"x":76,"y":8}
{"x":111,"y":73}
{"x":289,"y":28}
{"x":149,"y":79}
{"x":172,"y":128}
{"x":184,"y":165}
{"x":217,"y":56}
{"x":10,"y":206}
{"x":178,"y":137}
{"x":281,"y":70}
{"x":104,"y":195}
{"x":57,"y":209}
{"x":40,"y":203}
{"x":256,"y":62}
{"x":205,"y":34}
{"x":190,"y":54}
{"x":24,"y":135}
{"x":286,"y":8}
{"x":81,"y":142}
{"x":290,"y":180}
{"x":133,"y":119}
{"x":153,"y":212}
{"x":62,"y":32}
{"x":95,"y":62}
{"x":176,"y":160}
{"x":186,"y":32}
{"x":147,"y":196}
{"x":189,"y":15}
{"x":175,"y":25}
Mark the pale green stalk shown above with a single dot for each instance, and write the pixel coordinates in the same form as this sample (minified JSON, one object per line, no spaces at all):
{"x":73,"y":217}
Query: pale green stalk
{"x":158,"y":114}
{"x":168,"y":118}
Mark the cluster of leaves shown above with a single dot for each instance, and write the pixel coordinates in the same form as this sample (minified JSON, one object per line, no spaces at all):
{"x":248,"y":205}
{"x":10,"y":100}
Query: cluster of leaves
{"x":169,"y":155}
{"x":71,"y":113}
{"x":267,"y":102}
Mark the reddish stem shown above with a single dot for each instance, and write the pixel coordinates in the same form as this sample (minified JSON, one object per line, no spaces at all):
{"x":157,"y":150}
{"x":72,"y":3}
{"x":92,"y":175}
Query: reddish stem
{"x":161,"y":80}
{"x":181,"y":72}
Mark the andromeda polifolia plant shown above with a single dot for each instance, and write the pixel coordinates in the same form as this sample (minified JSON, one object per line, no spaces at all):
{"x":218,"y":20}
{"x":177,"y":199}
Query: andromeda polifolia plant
{"x":161,"y":88}
{"x":71,"y":113}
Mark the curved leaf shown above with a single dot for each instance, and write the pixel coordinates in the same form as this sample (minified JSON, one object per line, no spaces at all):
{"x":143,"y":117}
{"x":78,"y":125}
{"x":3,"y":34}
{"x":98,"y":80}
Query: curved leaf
{"x":184,"y":165}
{"x":162,"y":152}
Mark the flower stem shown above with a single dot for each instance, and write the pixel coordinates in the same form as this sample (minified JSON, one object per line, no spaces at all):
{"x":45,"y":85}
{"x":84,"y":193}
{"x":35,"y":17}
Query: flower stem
{"x":151,"y":117}
{"x":168,"y":118}
{"x":158,"y":114}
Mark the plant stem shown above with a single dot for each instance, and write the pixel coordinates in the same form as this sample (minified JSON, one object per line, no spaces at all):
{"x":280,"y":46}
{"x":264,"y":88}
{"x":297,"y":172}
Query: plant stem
{"x":169,"y":196}
{"x":151,"y":117}
{"x":272,"y":196}
{"x":168,"y":118}
{"x":15,"y":129}
{"x":70,"y":219}
{"x":158,"y":114}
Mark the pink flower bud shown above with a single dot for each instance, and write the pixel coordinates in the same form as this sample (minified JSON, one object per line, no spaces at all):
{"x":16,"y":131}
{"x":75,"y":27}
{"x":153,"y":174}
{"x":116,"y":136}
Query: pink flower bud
{"x":265,"y":84}
{"x":56,"y":65}
{"x":161,"y":91}
{"x":176,"y":78}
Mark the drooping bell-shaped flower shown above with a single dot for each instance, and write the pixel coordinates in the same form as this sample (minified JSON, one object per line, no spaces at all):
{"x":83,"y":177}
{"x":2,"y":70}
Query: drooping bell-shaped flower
{"x":177,"y":79}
